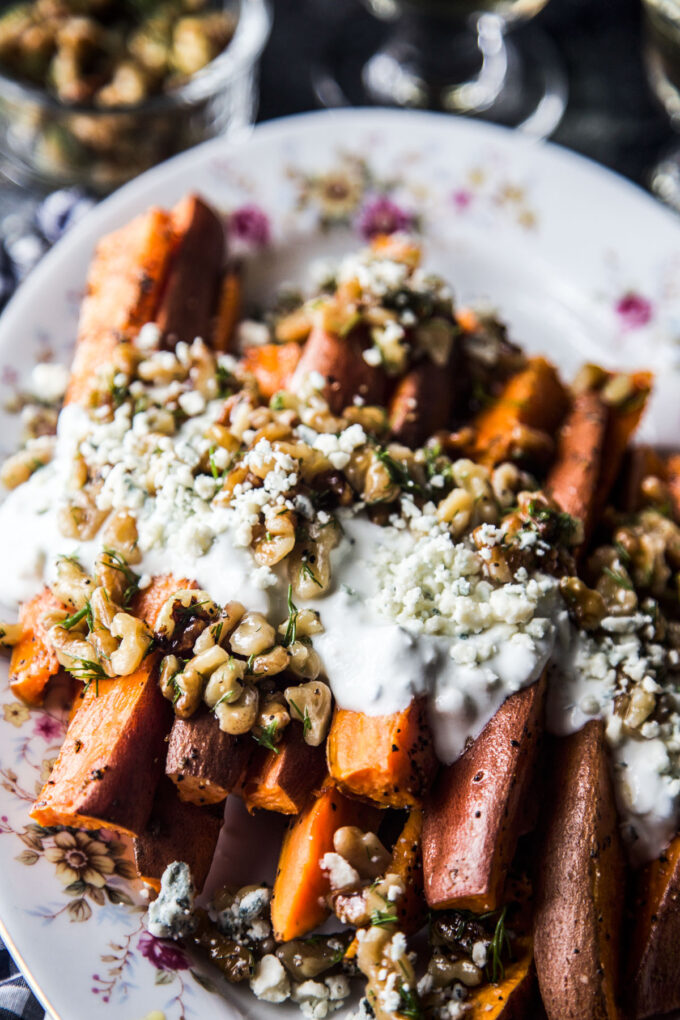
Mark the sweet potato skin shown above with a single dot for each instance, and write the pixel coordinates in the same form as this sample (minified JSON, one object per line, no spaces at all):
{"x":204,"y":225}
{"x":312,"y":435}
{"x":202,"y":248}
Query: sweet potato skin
{"x":388,"y":759}
{"x":123,"y":290}
{"x":205,"y":763}
{"x":534,"y":397}
{"x":340,"y":361}
{"x":283,"y":780}
{"x":191,"y":290}
{"x":112,"y":756}
{"x":653,"y":959}
{"x":176,"y":831}
{"x":422,"y":402}
{"x":581,"y":884}
{"x":300,"y":888}
{"x":573,"y":479}
{"x":473,"y":817}
{"x":33,"y":659}
{"x":273,"y":365}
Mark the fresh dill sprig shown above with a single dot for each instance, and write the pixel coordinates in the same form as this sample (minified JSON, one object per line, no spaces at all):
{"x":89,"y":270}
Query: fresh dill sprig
{"x":291,"y":626}
{"x":267,"y":735}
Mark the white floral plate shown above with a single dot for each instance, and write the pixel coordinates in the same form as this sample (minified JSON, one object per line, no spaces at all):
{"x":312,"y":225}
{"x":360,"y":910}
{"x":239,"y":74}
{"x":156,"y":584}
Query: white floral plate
{"x":582,"y":265}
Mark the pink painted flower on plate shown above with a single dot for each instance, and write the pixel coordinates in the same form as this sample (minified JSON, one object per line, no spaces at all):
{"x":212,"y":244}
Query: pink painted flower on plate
{"x":634,"y":310}
{"x":383,"y":216}
{"x":161,"y":953}
{"x":461,"y":198}
{"x":48,"y":728}
{"x":249,"y":223}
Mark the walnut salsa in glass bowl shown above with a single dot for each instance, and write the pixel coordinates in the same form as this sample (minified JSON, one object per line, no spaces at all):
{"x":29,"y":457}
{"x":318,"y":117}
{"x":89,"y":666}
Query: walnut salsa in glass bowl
{"x":94,"y":93}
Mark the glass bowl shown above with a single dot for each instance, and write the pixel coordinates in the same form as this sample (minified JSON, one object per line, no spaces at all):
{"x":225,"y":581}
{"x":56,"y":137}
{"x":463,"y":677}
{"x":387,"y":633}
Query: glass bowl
{"x":48,"y":144}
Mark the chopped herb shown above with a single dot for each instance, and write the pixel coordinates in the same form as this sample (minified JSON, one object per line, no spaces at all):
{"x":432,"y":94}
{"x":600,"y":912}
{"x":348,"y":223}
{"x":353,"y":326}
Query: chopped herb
{"x":409,"y":1004}
{"x":399,"y":473}
{"x":620,"y":579}
{"x":379,"y":918}
{"x":190,"y":610}
{"x":622,"y":553}
{"x":277,"y":402}
{"x":217,"y":632}
{"x":116,"y":561}
{"x":214,"y":470}
{"x":291,"y":626}
{"x":178,"y":692}
{"x":82,"y":614}
{"x":267,"y":735}
{"x":304,"y":716}
{"x":306,"y":571}
{"x":499,"y":947}
{"x":87,"y":671}
{"x":250,"y":663}
{"x":226,"y":383}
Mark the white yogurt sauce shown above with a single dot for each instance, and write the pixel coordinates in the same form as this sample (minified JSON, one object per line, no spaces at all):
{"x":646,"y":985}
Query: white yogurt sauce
{"x":408,"y":614}
{"x":646,"y":768}
{"x":376,"y":665}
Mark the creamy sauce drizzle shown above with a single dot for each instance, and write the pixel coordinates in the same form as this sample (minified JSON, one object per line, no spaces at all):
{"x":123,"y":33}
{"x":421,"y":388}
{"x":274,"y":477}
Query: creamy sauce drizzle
{"x":373,"y":664}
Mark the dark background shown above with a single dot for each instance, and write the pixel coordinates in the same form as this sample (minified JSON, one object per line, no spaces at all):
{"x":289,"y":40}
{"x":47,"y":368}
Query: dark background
{"x":611,"y":117}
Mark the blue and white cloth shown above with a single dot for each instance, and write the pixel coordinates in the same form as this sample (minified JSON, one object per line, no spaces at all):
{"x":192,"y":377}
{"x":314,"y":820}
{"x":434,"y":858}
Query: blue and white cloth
{"x":17,"y":1001}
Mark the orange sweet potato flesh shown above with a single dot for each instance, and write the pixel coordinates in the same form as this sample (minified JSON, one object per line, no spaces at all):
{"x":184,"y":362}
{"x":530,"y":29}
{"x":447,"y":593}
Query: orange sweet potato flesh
{"x":621,"y":426}
{"x":205,"y":763}
{"x":112,"y":756}
{"x":339,"y":359}
{"x":301,"y":887}
{"x":511,"y":998}
{"x":176,"y":831}
{"x":475,"y":813}
{"x":273,"y":365}
{"x":573,"y":478}
{"x":388,"y":759}
{"x":581,"y":883}
{"x":421,"y":403}
{"x":228,"y":311}
{"x":33,"y":659}
{"x":190,"y":294}
{"x":283,"y":780}
{"x":534,"y":397}
{"x":123,"y":290}
{"x":407,"y":862}
{"x":653,"y":962}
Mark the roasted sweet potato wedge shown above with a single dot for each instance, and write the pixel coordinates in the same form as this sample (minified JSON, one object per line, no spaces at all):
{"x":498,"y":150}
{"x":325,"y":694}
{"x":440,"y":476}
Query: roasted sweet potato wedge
{"x":422,"y":402}
{"x":622,"y":422}
{"x":511,"y":998}
{"x":388,"y":759}
{"x":407,"y":862}
{"x":653,"y":973}
{"x":123,"y":290}
{"x":339,"y":359}
{"x":176,"y":831}
{"x":300,"y":888}
{"x":273,"y":365}
{"x":190,"y":295}
{"x":475,"y":812}
{"x":581,"y":884}
{"x":533,"y":398}
{"x":33,"y":660}
{"x":228,"y":310}
{"x":112,"y":757}
{"x":205,"y":763}
{"x":283,"y":780}
{"x":572,"y":481}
